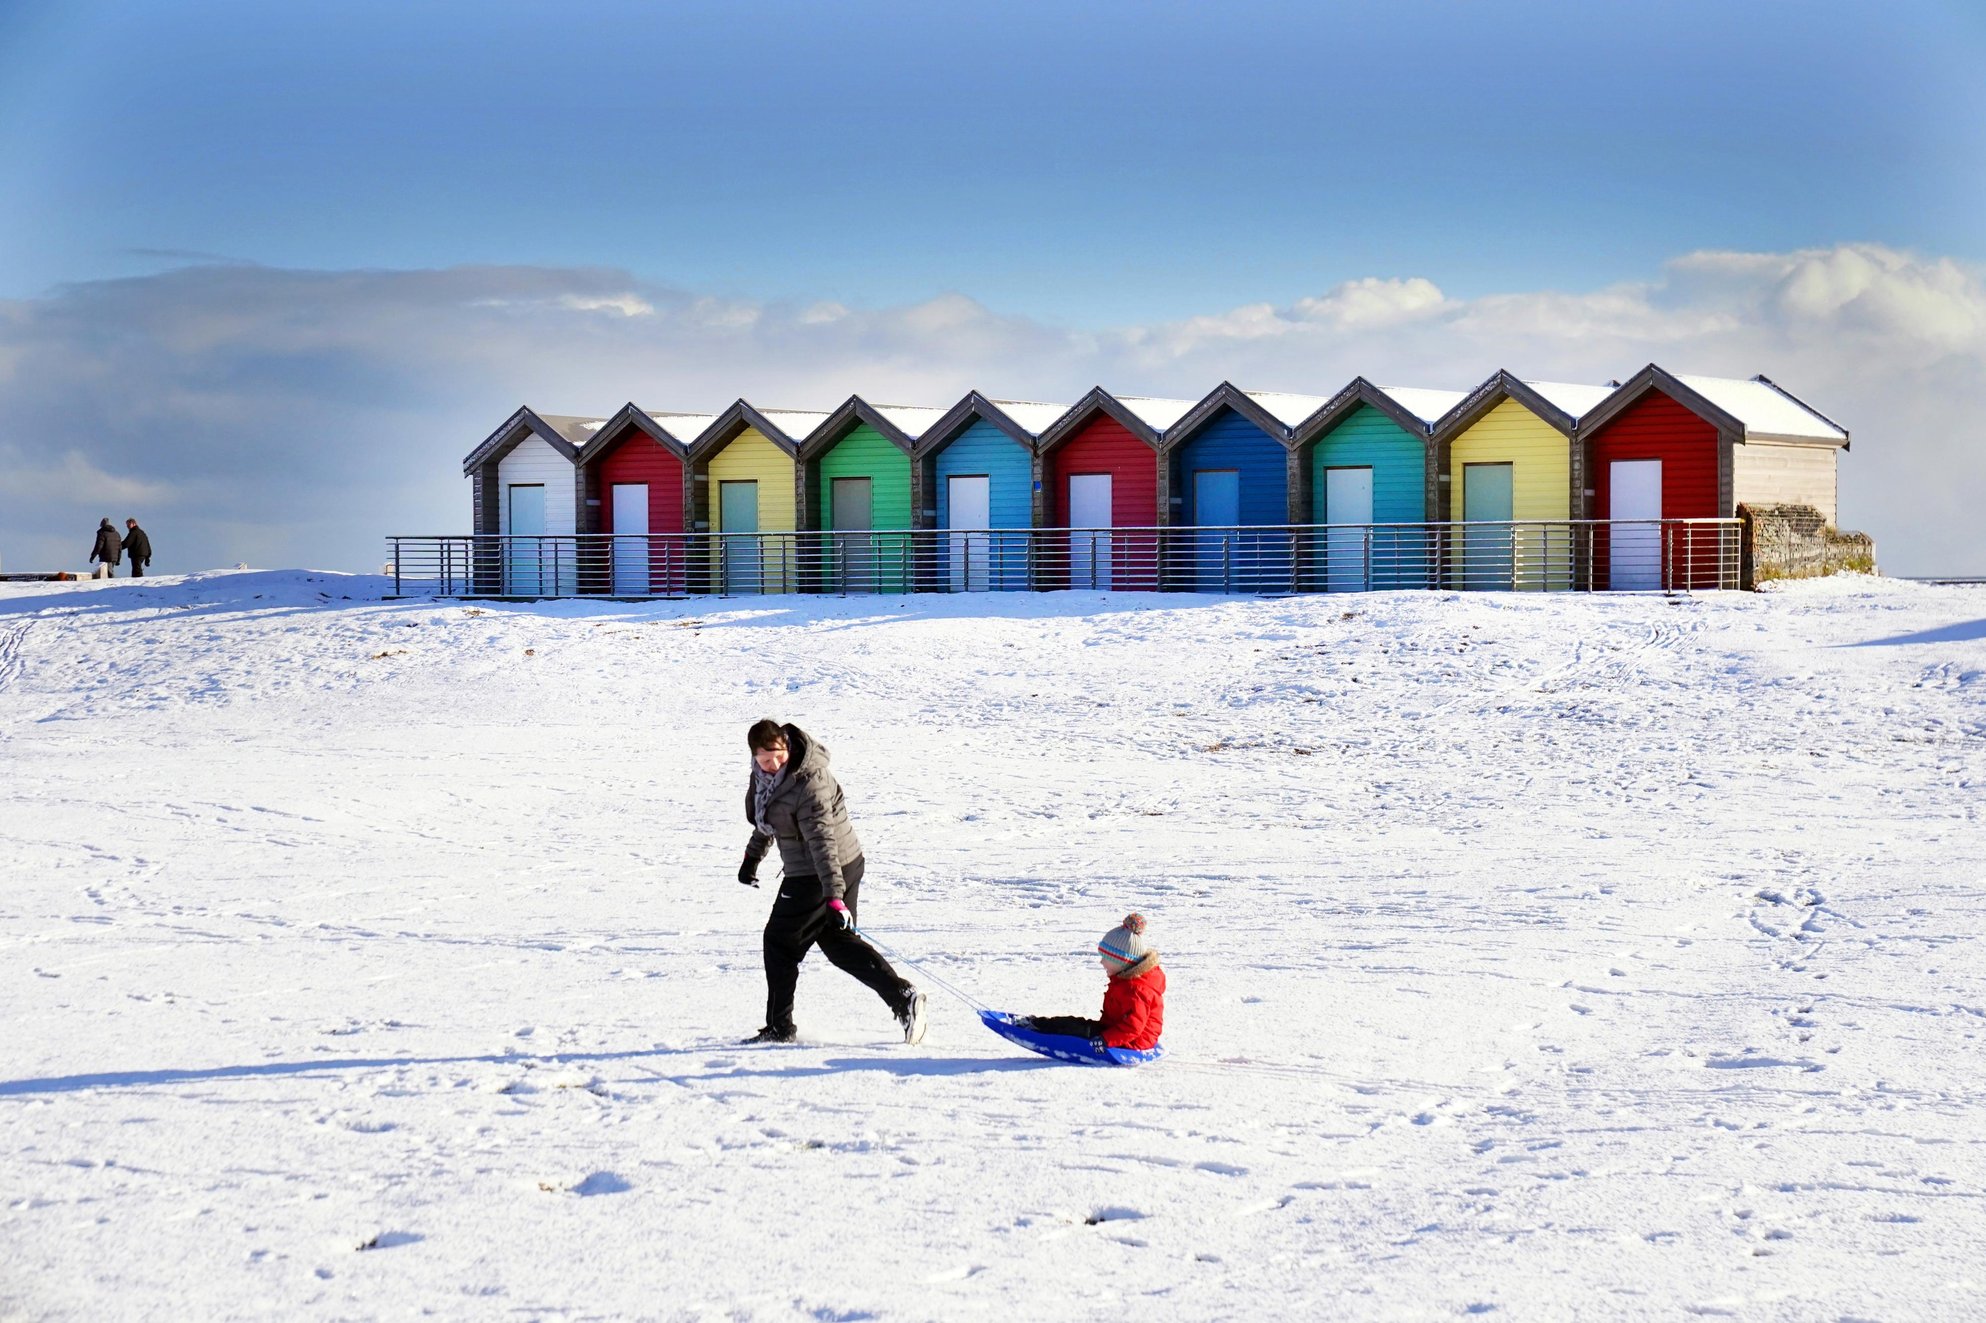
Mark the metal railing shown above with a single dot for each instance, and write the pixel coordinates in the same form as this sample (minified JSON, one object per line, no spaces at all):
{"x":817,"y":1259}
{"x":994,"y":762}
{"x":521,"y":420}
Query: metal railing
{"x":1665,"y":555}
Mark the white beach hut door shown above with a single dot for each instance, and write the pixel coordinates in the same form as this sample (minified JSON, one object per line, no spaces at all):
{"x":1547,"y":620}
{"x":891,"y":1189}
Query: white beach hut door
{"x":630,"y":541}
{"x":1216,"y":509}
{"x":1347,"y":509}
{"x":525,"y":564}
{"x":738,"y":512}
{"x":971,"y":507}
{"x":1089,"y":552}
{"x":1634,"y":551}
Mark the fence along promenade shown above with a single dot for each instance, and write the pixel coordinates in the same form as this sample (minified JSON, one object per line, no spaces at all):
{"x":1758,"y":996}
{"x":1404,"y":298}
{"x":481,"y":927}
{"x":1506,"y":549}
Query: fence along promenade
{"x":1580,"y":555}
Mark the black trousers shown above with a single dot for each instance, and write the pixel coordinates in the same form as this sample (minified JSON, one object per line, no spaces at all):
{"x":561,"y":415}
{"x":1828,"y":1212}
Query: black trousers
{"x":1073,"y":1025}
{"x":799,"y":921}
{"x":137,"y":570}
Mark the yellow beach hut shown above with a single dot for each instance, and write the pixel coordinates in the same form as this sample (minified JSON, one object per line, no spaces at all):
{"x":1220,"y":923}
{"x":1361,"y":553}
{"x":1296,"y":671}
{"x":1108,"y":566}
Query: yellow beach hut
{"x":745,"y":485}
{"x":1512,"y":474}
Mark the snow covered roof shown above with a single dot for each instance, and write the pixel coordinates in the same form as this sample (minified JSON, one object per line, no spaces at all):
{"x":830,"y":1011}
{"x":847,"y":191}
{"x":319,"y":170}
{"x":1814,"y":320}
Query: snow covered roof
{"x":685,"y":427}
{"x":1570,"y":397}
{"x":1155,"y":413}
{"x":576,"y":429}
{"x":1287,"y":409}
{"x":1426,"y":405}
{"x":1765,"y":409}
{"x":796,"y":424}
{"x":913,"y":420}
{"x":1033,"y":416}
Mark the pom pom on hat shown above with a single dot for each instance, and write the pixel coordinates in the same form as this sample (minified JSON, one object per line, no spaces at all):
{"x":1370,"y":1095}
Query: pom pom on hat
{"x":1124,"y":945}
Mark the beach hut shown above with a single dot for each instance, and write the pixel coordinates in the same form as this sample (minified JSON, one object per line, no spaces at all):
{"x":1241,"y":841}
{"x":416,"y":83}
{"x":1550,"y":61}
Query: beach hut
{"x":1668,"y":446}
{"x":1228,"y":463}
{"x":1369,"y":478}
{"x":975,"y":476}
{"x":857,"y":489}
{"x":1099,"y":471}
{"x":1507,"y":451}
{"x":633,"y":496}
{"x":525,"y":487}
{"x":744,"y":485}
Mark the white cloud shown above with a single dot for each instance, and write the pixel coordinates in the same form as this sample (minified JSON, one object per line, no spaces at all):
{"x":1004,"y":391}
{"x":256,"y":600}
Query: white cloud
{"x":318,"y":411}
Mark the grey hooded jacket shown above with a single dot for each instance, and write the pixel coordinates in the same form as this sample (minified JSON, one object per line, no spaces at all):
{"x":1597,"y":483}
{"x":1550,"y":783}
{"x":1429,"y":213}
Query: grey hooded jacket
{"x":808,"y":817}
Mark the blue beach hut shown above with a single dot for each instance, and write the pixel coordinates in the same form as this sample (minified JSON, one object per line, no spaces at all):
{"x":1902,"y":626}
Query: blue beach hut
{"x":1228,"y":466}
{"x":977,"y":477}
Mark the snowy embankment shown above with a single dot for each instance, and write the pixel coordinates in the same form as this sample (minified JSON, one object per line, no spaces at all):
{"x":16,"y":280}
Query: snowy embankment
{"x":1536,"y":957}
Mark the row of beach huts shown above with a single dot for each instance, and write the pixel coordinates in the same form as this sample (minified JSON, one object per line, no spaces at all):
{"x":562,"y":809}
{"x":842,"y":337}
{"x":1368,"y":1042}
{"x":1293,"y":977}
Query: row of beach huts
{"x":1509,"y":453}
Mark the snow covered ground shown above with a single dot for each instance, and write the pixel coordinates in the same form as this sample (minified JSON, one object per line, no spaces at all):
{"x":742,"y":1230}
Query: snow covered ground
{"x":1531,"y":957}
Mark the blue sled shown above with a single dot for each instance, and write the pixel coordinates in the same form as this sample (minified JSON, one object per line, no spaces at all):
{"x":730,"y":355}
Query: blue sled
{"x":1066,"y":1047}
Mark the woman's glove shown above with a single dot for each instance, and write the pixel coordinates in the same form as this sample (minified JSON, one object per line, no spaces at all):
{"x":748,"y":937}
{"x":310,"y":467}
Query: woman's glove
{"x":838,"y":913}
{"x":748,"y":872}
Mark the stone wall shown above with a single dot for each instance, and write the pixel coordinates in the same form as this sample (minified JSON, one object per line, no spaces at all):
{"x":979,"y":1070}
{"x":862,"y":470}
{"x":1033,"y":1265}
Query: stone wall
{"x":1797,"y":542}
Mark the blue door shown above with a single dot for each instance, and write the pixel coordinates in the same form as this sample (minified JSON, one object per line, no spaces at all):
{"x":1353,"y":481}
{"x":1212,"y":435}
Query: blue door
{"x":1217,"y":509}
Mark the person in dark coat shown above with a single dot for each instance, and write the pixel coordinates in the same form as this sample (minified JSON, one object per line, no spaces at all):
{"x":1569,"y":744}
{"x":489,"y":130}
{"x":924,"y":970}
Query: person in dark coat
{"x":106,"y":551}
{"x":139,"y":548}
{"x":793,"y":798}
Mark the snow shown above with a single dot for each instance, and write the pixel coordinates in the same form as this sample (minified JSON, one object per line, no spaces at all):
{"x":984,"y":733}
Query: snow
{"x":685,"y":427}
{"x":1428,"y":405}
{"x":795,"y":424}
{"x":911,"y":419}
{"x":576,"y":429}
{"x":1031,"y":416}
{"x":1570,"y":397}
{"x":1287,"y":409}
{"x":1764,"y":410}
{"x":1154,"y":413}
{"x":1539,"y":957}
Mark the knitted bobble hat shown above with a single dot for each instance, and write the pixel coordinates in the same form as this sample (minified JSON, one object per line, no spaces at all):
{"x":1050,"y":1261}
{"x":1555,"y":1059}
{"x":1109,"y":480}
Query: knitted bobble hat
{"x":1125,"y":945}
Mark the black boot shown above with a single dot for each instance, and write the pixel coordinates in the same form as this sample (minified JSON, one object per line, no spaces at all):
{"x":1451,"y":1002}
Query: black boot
{"x":773,"y":1033}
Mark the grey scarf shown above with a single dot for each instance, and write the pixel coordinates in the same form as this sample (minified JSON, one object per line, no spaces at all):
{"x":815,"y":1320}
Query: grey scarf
{"x":763,"y":787}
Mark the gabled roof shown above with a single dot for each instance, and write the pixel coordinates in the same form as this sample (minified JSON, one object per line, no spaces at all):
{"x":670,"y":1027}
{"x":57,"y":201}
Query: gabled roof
{"x":529,"y":422}
{"x":1023,"y":420}
{"x":854,"y":412}
{"x":1361,"y":393}
{"x":1100,"y":401}
{"x":743,"y":414}
{"x":1755,"y":410}
{"x":1557,"y":403}
{"x":632,"y":417}
{"x":1223,"y":397}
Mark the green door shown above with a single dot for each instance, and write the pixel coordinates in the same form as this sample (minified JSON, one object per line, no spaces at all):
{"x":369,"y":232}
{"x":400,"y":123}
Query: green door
{"x":1488,"y":553}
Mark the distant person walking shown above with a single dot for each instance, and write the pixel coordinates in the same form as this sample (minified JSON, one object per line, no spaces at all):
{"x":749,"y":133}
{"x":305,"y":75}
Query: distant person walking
{"x":106,"y":552}
{"x":793,"y":799}
{"x":138,"y":547}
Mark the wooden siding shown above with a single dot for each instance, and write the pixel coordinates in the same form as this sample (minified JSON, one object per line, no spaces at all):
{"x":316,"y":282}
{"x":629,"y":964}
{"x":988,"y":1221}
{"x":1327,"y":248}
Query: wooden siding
{"x":750,"y":457}
{"x":865,"y":453}
{"x":533,"y":461}
{"x":1103,"y":445}
{"x":1261,"y":461}
{"x":1656,"y":427}
{"x":1009,"y":469}
{"x":1540,"y":457}
{"x":1367,"y":438}
{"x":640,"y":459}
{"x":1767,"y":474}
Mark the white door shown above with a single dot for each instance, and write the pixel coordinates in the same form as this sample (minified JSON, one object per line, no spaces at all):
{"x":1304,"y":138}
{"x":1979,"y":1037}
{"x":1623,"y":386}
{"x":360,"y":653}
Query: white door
{"x":1347,"y":540}
{"x":1216,"y":509}
{"x":1634,"y":551}
{"x":971,"y":507}
{"x":630,"y":541}
{"x":1089,"y":508}
{"x":526,"y":570}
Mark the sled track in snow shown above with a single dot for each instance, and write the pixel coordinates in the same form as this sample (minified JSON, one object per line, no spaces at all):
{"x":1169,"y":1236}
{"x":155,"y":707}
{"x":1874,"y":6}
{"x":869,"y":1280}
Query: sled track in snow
{"x":11,"y":664}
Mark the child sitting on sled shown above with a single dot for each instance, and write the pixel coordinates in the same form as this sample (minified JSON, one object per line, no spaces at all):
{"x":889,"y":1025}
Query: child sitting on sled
{"x":1133,"y":1001}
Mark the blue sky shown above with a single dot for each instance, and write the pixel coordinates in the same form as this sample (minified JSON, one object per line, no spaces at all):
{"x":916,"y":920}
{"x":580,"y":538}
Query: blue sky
{"x":254,"y":256}
{"x":1092,"y":163}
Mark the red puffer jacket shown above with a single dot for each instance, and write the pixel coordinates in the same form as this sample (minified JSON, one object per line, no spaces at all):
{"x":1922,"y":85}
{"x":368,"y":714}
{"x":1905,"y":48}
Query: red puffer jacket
{"x":1134,"y":1011}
